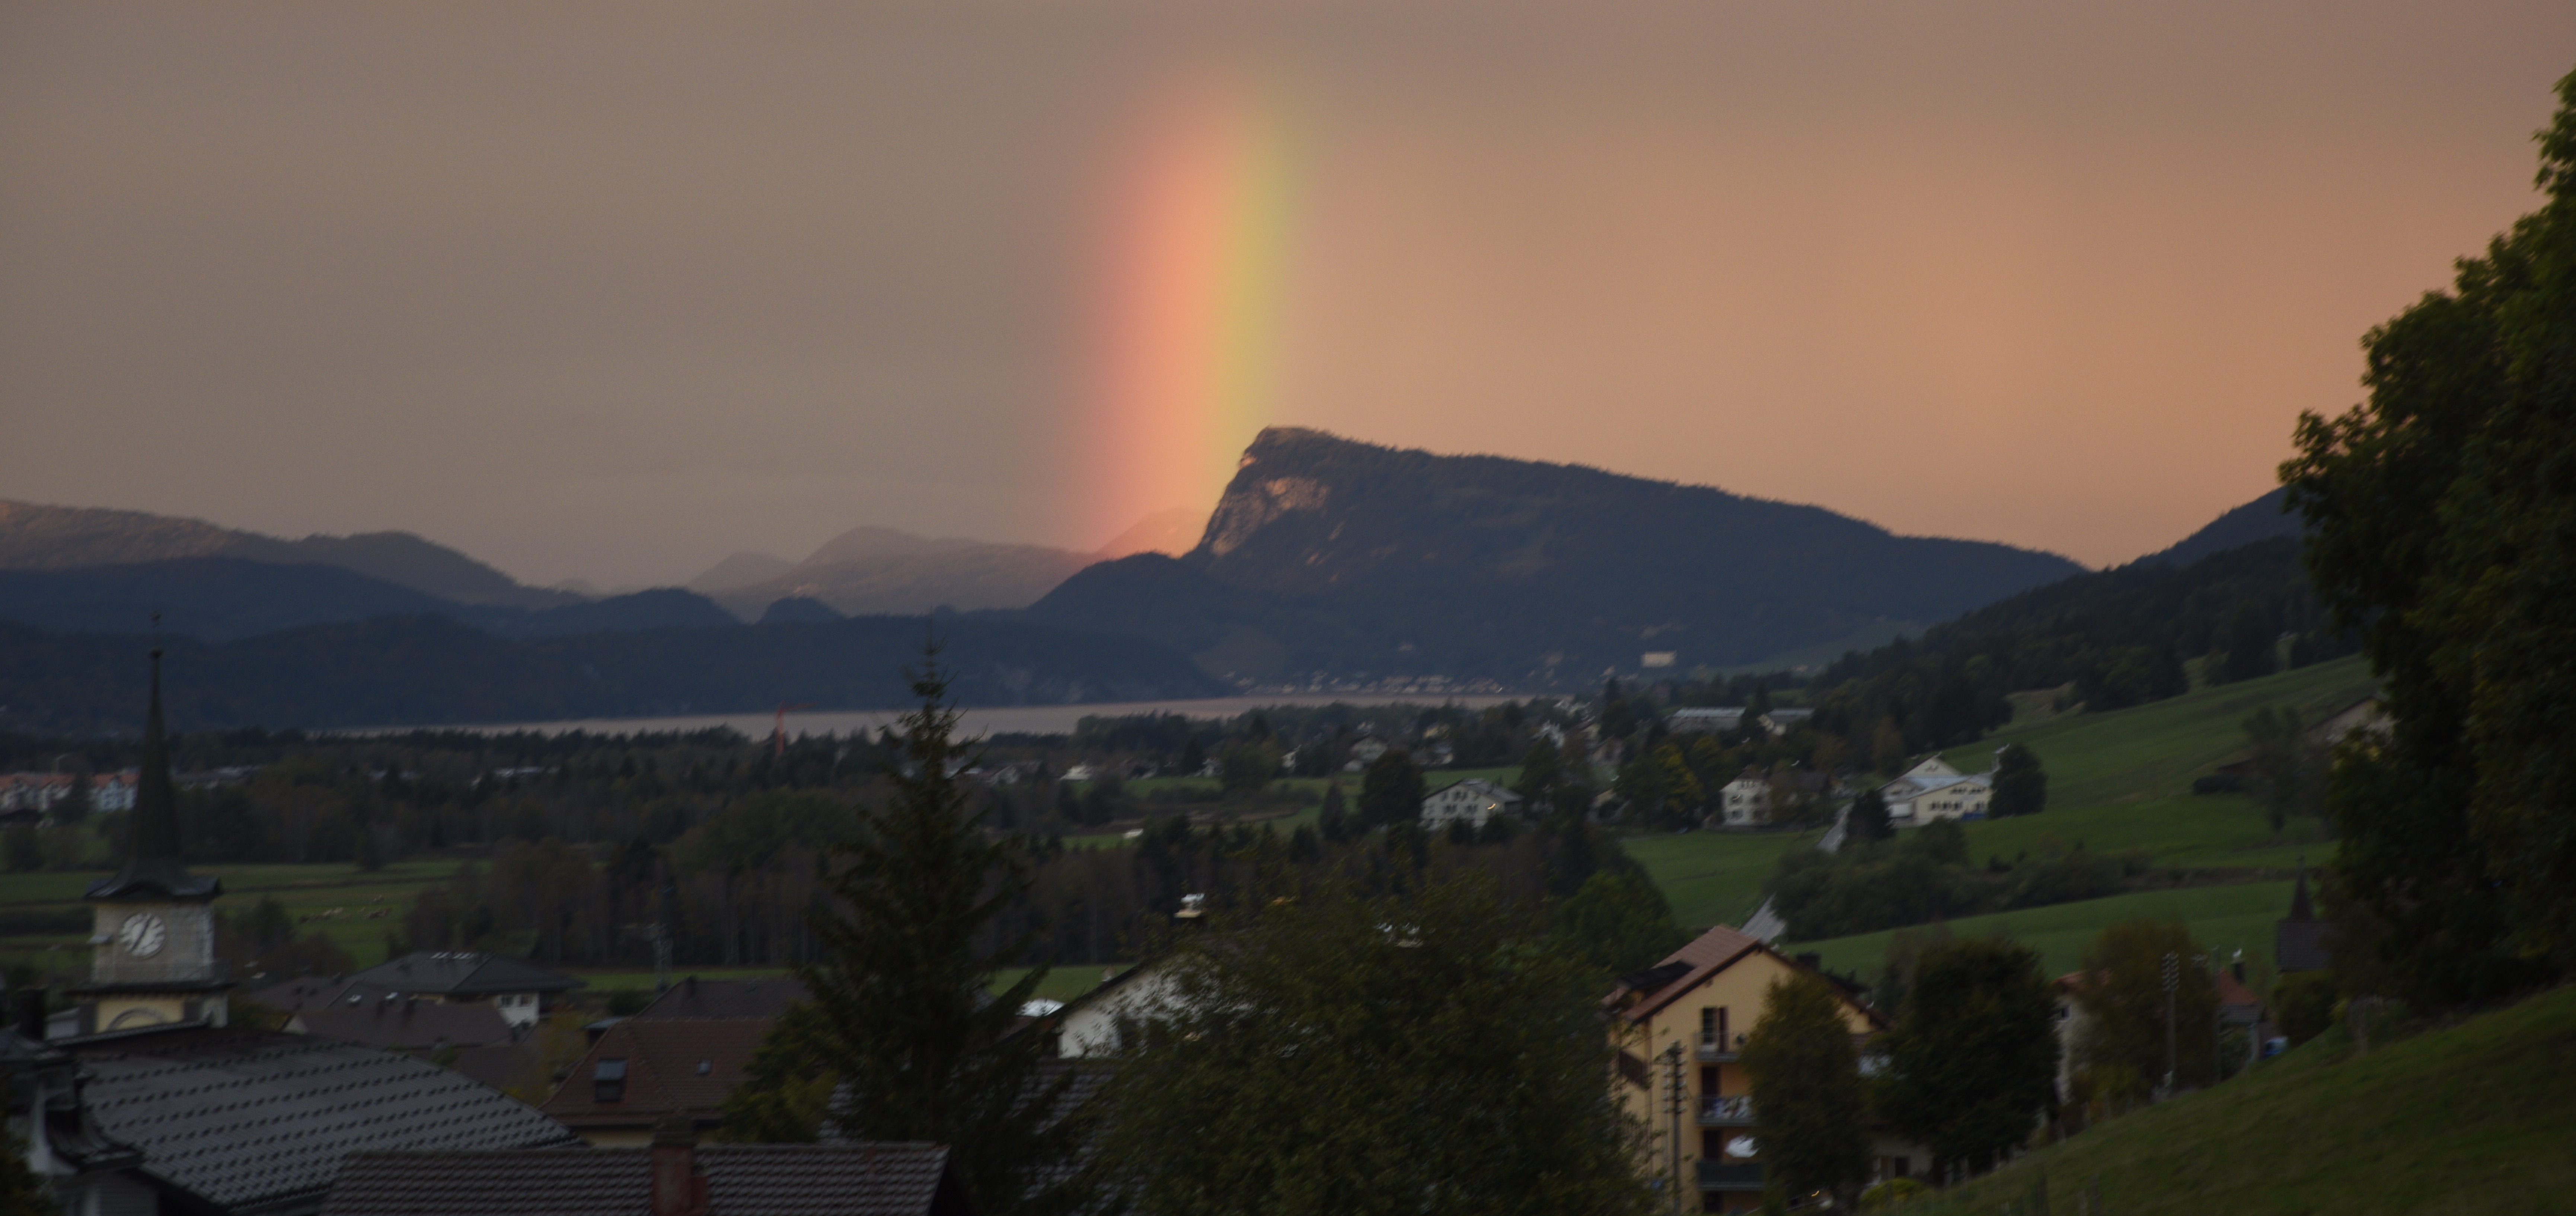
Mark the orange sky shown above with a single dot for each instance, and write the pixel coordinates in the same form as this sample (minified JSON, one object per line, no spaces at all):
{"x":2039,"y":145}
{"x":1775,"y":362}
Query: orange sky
{"x":608,"y":290}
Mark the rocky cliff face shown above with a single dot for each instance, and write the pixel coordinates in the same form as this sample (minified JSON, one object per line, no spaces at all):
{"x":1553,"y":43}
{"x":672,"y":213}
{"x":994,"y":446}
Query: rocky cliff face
{"x":1342,"y":560}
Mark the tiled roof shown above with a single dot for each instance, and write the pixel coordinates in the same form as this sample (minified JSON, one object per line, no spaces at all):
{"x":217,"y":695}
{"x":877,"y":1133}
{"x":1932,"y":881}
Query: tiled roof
{"x":465,"y":973}
{"x":1706,"y":955}
{"x":246,"y":1118}
{"x":663,"y":1058}
{"x":873,"y":1179}
{"x":409,"y":1022}
{"x":697,"y":998}
{"x":315,"y":992}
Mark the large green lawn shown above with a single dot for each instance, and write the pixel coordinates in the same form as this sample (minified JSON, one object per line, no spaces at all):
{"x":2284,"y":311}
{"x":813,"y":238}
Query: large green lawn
{"x":2469,"y":1120}
{"x":1713,"y":878}
{"x":355,"y":908}
{"x":2237,"y":916}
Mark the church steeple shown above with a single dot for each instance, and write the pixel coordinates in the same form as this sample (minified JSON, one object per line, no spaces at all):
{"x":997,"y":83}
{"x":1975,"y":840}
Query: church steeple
{"x":153,"y":865}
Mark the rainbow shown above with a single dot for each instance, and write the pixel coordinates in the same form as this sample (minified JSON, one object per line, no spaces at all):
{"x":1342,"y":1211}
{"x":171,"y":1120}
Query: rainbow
{"x":1191,"y":329}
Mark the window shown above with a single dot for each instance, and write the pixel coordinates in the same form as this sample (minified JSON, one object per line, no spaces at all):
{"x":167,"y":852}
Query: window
{"x":608,"y":1081}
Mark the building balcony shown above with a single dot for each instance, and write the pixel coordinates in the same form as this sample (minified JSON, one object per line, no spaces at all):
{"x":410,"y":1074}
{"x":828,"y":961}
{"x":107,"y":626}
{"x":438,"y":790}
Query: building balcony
{"x":1730,"y":1176}
{"x":1715,"y":1050}
{"x":1726,"y":1111}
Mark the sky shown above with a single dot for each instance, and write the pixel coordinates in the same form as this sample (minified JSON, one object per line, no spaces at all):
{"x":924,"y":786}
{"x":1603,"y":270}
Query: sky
{"x":607,"y":291}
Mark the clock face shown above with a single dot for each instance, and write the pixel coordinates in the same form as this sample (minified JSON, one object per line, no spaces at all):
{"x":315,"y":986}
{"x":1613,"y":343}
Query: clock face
{"x":143,"y":935}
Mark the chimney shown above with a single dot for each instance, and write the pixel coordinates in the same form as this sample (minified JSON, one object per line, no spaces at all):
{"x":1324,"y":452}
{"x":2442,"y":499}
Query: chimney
{"x":678,"y":1188}
{"x":29,"y":1014}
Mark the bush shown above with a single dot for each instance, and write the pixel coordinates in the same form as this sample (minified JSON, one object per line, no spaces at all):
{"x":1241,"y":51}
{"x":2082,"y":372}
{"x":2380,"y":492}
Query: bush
{"x":1895,"y":1192}
{"x":2304,"y":1001}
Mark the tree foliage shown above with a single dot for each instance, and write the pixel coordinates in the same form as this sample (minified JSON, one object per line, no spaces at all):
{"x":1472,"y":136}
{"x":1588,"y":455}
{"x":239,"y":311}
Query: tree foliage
{"x":1807,"y":1097}
{"x":1972,"y":1063}
{"x":2021,"y":786}
{"x":2121,"y":990}
{"x":2442,"y":513}
{"x":900,"y":1011}
{"x":1347,"y":1054}
{"x":1391,"y":789}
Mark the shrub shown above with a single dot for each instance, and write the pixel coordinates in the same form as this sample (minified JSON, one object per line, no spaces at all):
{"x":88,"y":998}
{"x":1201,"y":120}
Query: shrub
{"x":2304,"y":1001}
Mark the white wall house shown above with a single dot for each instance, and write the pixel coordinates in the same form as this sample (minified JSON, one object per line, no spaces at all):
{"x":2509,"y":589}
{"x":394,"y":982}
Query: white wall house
{"x":1746,"y":801}
{"x":1474,"y":800}
{"x":1710,"y":720}
{"x":1934,"y":790}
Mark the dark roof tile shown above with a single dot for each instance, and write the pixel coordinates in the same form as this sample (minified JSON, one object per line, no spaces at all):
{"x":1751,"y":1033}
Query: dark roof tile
{"x":873,"y":1179}
{"x":247,"y":1118}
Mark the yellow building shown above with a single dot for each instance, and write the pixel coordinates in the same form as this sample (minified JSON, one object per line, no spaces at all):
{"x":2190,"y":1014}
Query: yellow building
{"x":1678,"y":1027}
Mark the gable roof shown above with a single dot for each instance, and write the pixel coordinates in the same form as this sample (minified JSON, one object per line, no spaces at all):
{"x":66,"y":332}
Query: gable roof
{"x":408,"y":1022}
{"x":663,"y":1057}
{"x":1704,"y":956}
{"x":252,"y":1118}
{"x":876,"y":1178}
{"x":315,"y":992}
{"x":755,"y":998}
{"x":464,"y":973}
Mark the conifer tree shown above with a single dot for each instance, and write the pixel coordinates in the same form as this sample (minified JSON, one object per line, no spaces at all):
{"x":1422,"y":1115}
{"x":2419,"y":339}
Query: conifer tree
{"x":899,"y":1010}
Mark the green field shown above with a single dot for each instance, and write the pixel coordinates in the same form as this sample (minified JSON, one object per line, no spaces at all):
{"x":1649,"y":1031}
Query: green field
{"x":1713,"y":878}
{"x":2471,"y":1120}
{"x":2237,"y":916}
{"x":354,"y":908}
{"x":2120,"y":781}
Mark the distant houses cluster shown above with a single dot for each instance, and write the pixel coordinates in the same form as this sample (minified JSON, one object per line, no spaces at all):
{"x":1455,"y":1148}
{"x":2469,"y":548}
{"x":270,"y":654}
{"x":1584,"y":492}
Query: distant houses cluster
{"x":29,"y":796}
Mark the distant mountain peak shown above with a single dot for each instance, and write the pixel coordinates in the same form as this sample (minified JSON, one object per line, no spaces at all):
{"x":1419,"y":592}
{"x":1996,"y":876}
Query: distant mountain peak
{"x":1171,"y":532}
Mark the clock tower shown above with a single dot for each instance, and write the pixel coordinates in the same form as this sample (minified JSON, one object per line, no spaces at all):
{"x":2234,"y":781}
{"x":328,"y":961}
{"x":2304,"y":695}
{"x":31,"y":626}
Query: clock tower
{"x":154,"y":937}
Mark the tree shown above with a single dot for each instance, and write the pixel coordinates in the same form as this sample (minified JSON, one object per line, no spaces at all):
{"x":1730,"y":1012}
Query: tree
{"x":1249,"y":766}
{"x":1806,"y":1087}
{"x":1972,"y":1063}
{"x":1539,"y":772}
{"x":2289,"y":770}
{"x":19,"y":849}
{"x":1619,"y":922}
{"x":1617,"y":719}
{"x":2123,"y":996}
{"x":900,"y":1011}
{"x":1866,"y":822}
{"x":1345,"y":1054}
{"x":2021,"y":787}
{"x":2442,"y":525}
{"x":2248,"y":648}
{"x":74,"y":807}
{"x":1331,"y":820}
{"x":1391,"y":790}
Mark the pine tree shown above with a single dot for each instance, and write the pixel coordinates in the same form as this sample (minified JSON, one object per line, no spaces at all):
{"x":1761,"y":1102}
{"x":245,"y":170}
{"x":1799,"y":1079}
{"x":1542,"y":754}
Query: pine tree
{"x":2021,"y":786}
{"x":899,"y":1006}
{"x":1867,"y":820}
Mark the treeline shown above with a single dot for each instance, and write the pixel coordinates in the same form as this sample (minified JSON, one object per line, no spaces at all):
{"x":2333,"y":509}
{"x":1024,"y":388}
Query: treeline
{"x":1928,"y":876}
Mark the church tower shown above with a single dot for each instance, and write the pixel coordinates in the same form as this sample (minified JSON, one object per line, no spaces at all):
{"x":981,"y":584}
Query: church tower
{"x":154,"y":935}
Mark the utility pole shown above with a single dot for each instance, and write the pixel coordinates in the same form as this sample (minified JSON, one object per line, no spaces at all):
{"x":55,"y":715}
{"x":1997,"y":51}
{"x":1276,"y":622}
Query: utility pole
{"x":1676,"y":1099}
{"x":2173,"y":981}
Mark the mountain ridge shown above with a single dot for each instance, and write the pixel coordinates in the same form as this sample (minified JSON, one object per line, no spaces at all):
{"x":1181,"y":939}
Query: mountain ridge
{"x":1331,"y":559}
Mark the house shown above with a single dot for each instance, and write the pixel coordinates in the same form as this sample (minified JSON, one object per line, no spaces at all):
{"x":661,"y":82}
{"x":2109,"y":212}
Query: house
{"x":754,"y":998}
{"x":643,"y":1071}
{"x":1088,"y":1025}
{"x":1364,"y":753}
{"x":1746,"y":801}
{"x":519,"y":990}
{"x":406,"y":1023}
{"x":671,"y":1176}
{"x":1680,"y":1026}
{"x":2299,"y":939}
{"x":1782,"y":721}
{"x":224,"y":1119}
{"x":1934,"y":790}
{"x":316,"y":992}
{"x":1718,"y":720}
{"x":1472,"y":801}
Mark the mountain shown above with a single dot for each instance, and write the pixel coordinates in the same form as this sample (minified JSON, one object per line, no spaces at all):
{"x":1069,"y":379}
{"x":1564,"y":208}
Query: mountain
{"x":1336,"y":560}
{"x":225,"y":598}
{"x":2259,"y":520}
{"x":432,"y":670}
{"x":1171,"y":533}
{"x":37,"y":537}
{"x":738,"y":570}
{"x":877,"y":571}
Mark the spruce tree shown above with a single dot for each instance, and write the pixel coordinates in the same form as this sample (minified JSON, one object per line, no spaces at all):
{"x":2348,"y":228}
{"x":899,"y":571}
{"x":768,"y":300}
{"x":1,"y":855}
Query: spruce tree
{"x":899,"y":1009}
{"x":2021,"y":786}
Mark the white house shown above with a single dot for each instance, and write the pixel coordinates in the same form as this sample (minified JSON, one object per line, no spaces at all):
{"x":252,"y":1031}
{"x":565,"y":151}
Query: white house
{"x":1934,"y":790}
{"x":1713,"y":720}
{"x":1474,"y":800}
{"x":1746,"y":801}
{"x":1782,"y":721}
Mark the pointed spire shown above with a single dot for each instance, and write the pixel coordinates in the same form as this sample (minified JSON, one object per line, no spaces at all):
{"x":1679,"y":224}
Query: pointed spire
{"x":152,"y":861}
{"x":2300,"y":908}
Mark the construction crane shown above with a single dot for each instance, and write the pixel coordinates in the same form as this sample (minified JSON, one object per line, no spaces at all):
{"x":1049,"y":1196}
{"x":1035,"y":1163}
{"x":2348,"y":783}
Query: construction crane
{"x":778,"y":733}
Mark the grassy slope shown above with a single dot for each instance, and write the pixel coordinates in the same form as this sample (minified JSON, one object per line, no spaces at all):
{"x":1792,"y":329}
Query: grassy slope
{"x":2122,"y":780}
{"x":1713,"y":878}
{"x":305,"y":890}
{"x":2473,"y":1119}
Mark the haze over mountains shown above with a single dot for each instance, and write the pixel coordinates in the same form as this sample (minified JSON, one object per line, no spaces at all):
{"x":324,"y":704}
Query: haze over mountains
{"x":870,"y":570}
{"x":1328,"y":564}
